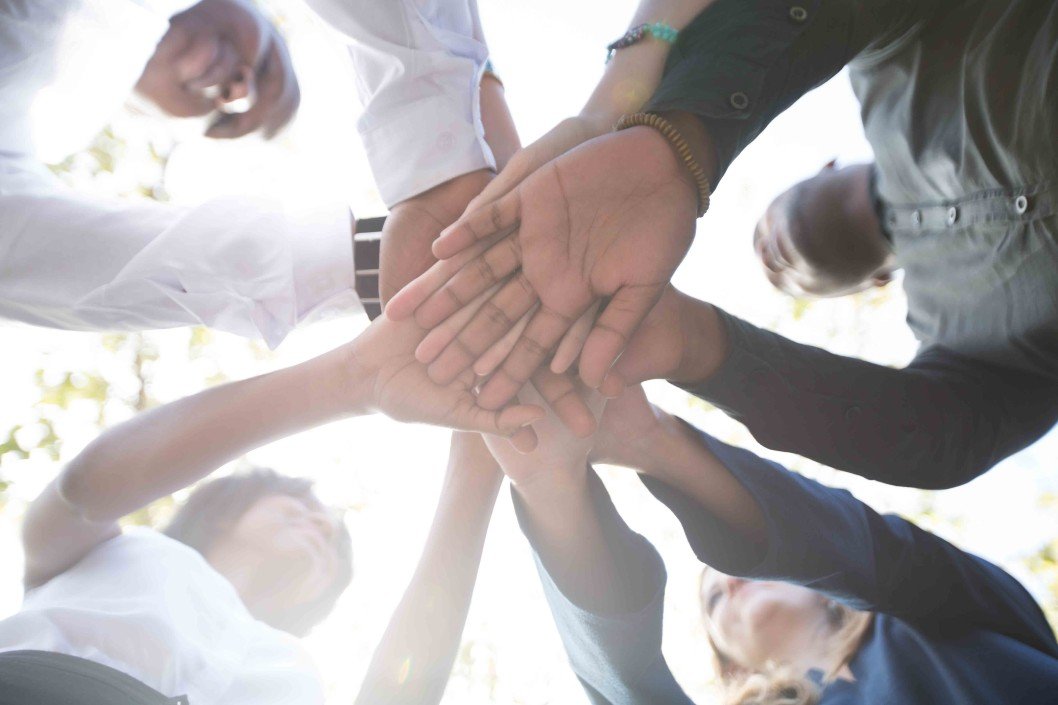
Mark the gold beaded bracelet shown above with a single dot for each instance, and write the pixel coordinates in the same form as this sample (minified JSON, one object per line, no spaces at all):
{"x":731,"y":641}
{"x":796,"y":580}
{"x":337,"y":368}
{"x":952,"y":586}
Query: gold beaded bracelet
{"x":669,"y":132}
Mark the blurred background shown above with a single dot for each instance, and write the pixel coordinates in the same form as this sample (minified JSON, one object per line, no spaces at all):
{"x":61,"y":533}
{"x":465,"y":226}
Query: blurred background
{"x":58,"y":389}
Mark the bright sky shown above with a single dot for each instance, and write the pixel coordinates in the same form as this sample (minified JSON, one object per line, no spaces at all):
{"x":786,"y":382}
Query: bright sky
{"x":549,"y":52}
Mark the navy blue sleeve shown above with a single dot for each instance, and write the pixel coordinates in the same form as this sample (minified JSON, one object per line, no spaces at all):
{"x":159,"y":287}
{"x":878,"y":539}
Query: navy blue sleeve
{"x":616,"y":656}
{"x":828,"y":540}
{"x":740,"y":63}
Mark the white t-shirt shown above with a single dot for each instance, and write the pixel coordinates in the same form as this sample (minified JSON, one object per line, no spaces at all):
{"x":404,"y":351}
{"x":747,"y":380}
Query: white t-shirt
{"x":153,"y":608}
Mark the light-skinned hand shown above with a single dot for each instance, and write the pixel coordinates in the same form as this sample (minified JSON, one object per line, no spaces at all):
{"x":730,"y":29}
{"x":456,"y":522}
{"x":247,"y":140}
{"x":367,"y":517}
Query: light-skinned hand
{"x":383,"y":359}
{"x":557,"y":451}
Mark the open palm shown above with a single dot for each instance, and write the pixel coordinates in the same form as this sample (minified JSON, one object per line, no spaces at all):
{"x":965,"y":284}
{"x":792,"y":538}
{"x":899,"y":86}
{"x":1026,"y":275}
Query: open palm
{"x":610,"y":219}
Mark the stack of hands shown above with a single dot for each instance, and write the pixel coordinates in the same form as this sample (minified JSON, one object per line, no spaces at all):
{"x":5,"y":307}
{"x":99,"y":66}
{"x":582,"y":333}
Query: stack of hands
{"x":394,"y":368}
{"x":554,"y":275}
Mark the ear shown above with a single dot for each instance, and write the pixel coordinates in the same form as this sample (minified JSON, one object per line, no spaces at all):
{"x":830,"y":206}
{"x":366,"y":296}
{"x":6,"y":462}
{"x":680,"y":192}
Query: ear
{"x":882,"y":278}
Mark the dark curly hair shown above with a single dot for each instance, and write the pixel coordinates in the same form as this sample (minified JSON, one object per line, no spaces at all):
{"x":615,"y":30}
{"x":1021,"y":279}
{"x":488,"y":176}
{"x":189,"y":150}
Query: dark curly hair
{"x":215,"y":506}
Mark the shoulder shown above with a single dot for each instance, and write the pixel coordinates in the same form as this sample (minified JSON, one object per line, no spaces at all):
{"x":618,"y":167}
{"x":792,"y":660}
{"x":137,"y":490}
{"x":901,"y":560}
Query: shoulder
{"x":137,"y":556}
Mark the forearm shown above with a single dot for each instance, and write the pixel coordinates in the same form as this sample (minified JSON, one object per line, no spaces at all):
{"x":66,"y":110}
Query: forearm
{"x":173,"y":446}
{"x":633,"y":73}
{"x":413,"y":661}
{"x":676,"y":455}
{"x":826,"y":539}
{"x":500,"y":131}
{"x":237,"y":264}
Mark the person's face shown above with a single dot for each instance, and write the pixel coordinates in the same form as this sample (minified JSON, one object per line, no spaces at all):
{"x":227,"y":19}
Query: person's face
{"x":807,"y":243}
{"x":758,"y":622}
{"x":292,"y":542}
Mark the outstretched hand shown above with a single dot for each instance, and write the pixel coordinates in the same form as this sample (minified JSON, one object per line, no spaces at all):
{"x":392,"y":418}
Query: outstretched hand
{"x":612,"y":218}
{"x":383,"y":357}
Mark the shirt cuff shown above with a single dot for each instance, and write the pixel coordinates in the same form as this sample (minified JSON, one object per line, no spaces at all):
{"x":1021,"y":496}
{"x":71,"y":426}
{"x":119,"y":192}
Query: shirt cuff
{"x":322,"y":254}
{"x":429,"y":142}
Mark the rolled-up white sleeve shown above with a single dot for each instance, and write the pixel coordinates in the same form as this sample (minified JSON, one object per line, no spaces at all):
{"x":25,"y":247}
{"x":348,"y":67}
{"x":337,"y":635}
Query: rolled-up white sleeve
{"x":418,"y":65}
{"x":242,"y":265}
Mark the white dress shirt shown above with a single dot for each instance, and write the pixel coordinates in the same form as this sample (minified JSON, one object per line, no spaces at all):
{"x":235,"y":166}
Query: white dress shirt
{"x":72,"y":261}
{"x":418,"y":65}
{"x":176,"y":625}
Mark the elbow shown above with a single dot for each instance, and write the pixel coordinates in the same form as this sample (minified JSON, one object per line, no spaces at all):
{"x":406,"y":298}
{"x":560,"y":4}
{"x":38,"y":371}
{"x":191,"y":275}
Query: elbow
{"x":81,"y":486}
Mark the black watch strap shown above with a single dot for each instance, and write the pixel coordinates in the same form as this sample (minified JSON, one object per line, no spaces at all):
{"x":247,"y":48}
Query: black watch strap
{"x":366,"y":247}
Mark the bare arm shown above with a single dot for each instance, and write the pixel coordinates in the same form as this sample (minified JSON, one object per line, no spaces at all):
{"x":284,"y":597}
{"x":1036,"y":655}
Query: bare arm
{"x":414,"y":659}
{"x":634,"y":73}
{"x":173,"y":446}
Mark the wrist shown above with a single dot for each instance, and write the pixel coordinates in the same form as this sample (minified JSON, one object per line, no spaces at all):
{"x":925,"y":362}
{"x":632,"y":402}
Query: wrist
{"x":657,"y":156}
{"x":706,"y":344}
{"x":355,"y":379}
{"x":698,"y":139}
{"x":628,"y":81}
{"x":471,"y":466}
{"x":671,"y":455}
{"x":552,"y":485}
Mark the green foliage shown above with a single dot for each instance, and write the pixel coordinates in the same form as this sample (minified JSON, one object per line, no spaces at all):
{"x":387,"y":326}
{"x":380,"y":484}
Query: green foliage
{"x":47,"y":441}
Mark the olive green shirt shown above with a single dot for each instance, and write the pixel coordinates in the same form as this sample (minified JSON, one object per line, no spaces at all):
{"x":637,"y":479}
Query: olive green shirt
{"x":959,"y":101}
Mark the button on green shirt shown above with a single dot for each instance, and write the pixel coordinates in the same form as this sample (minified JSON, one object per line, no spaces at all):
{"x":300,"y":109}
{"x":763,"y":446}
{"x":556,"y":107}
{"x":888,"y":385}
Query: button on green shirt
{"x":958,"y":101}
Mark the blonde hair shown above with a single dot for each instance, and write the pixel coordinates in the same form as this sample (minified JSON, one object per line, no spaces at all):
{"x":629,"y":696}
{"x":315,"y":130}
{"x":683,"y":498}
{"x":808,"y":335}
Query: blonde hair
{"x":779,"y":684}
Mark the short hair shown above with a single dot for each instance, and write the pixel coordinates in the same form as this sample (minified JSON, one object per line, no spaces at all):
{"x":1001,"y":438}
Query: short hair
{"x":215,"y":506}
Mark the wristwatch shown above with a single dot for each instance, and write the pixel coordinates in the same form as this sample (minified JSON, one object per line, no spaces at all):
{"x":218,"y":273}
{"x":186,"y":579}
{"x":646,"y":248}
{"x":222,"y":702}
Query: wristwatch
{"x":366,"y":242}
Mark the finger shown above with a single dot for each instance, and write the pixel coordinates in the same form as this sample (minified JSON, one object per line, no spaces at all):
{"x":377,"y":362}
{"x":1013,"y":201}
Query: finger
{"x":478,"y":225}
{"x":613,"y":385}
{"x":521,"y":165}
{"x":531,"y":351}
{"x":524,"y":440}
{"x":494,"y":356}
{"x":567,"y":351}
{"x":439,"y":338}
{"x":464,"y":414}
{"x":498,"y":315}
{"x":558,"y":140}
{"x":224,"y":67}
{"x":276,"y":101}
{"x":511,"y":419}
{"x":611,"y":333}
{"x":196,"y":56}
{"x":240,"y":88}
{"x":494,"y":266}
{"x":405,"y":302}
{"x":176,"y":39}
{"x":562,"y":394}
